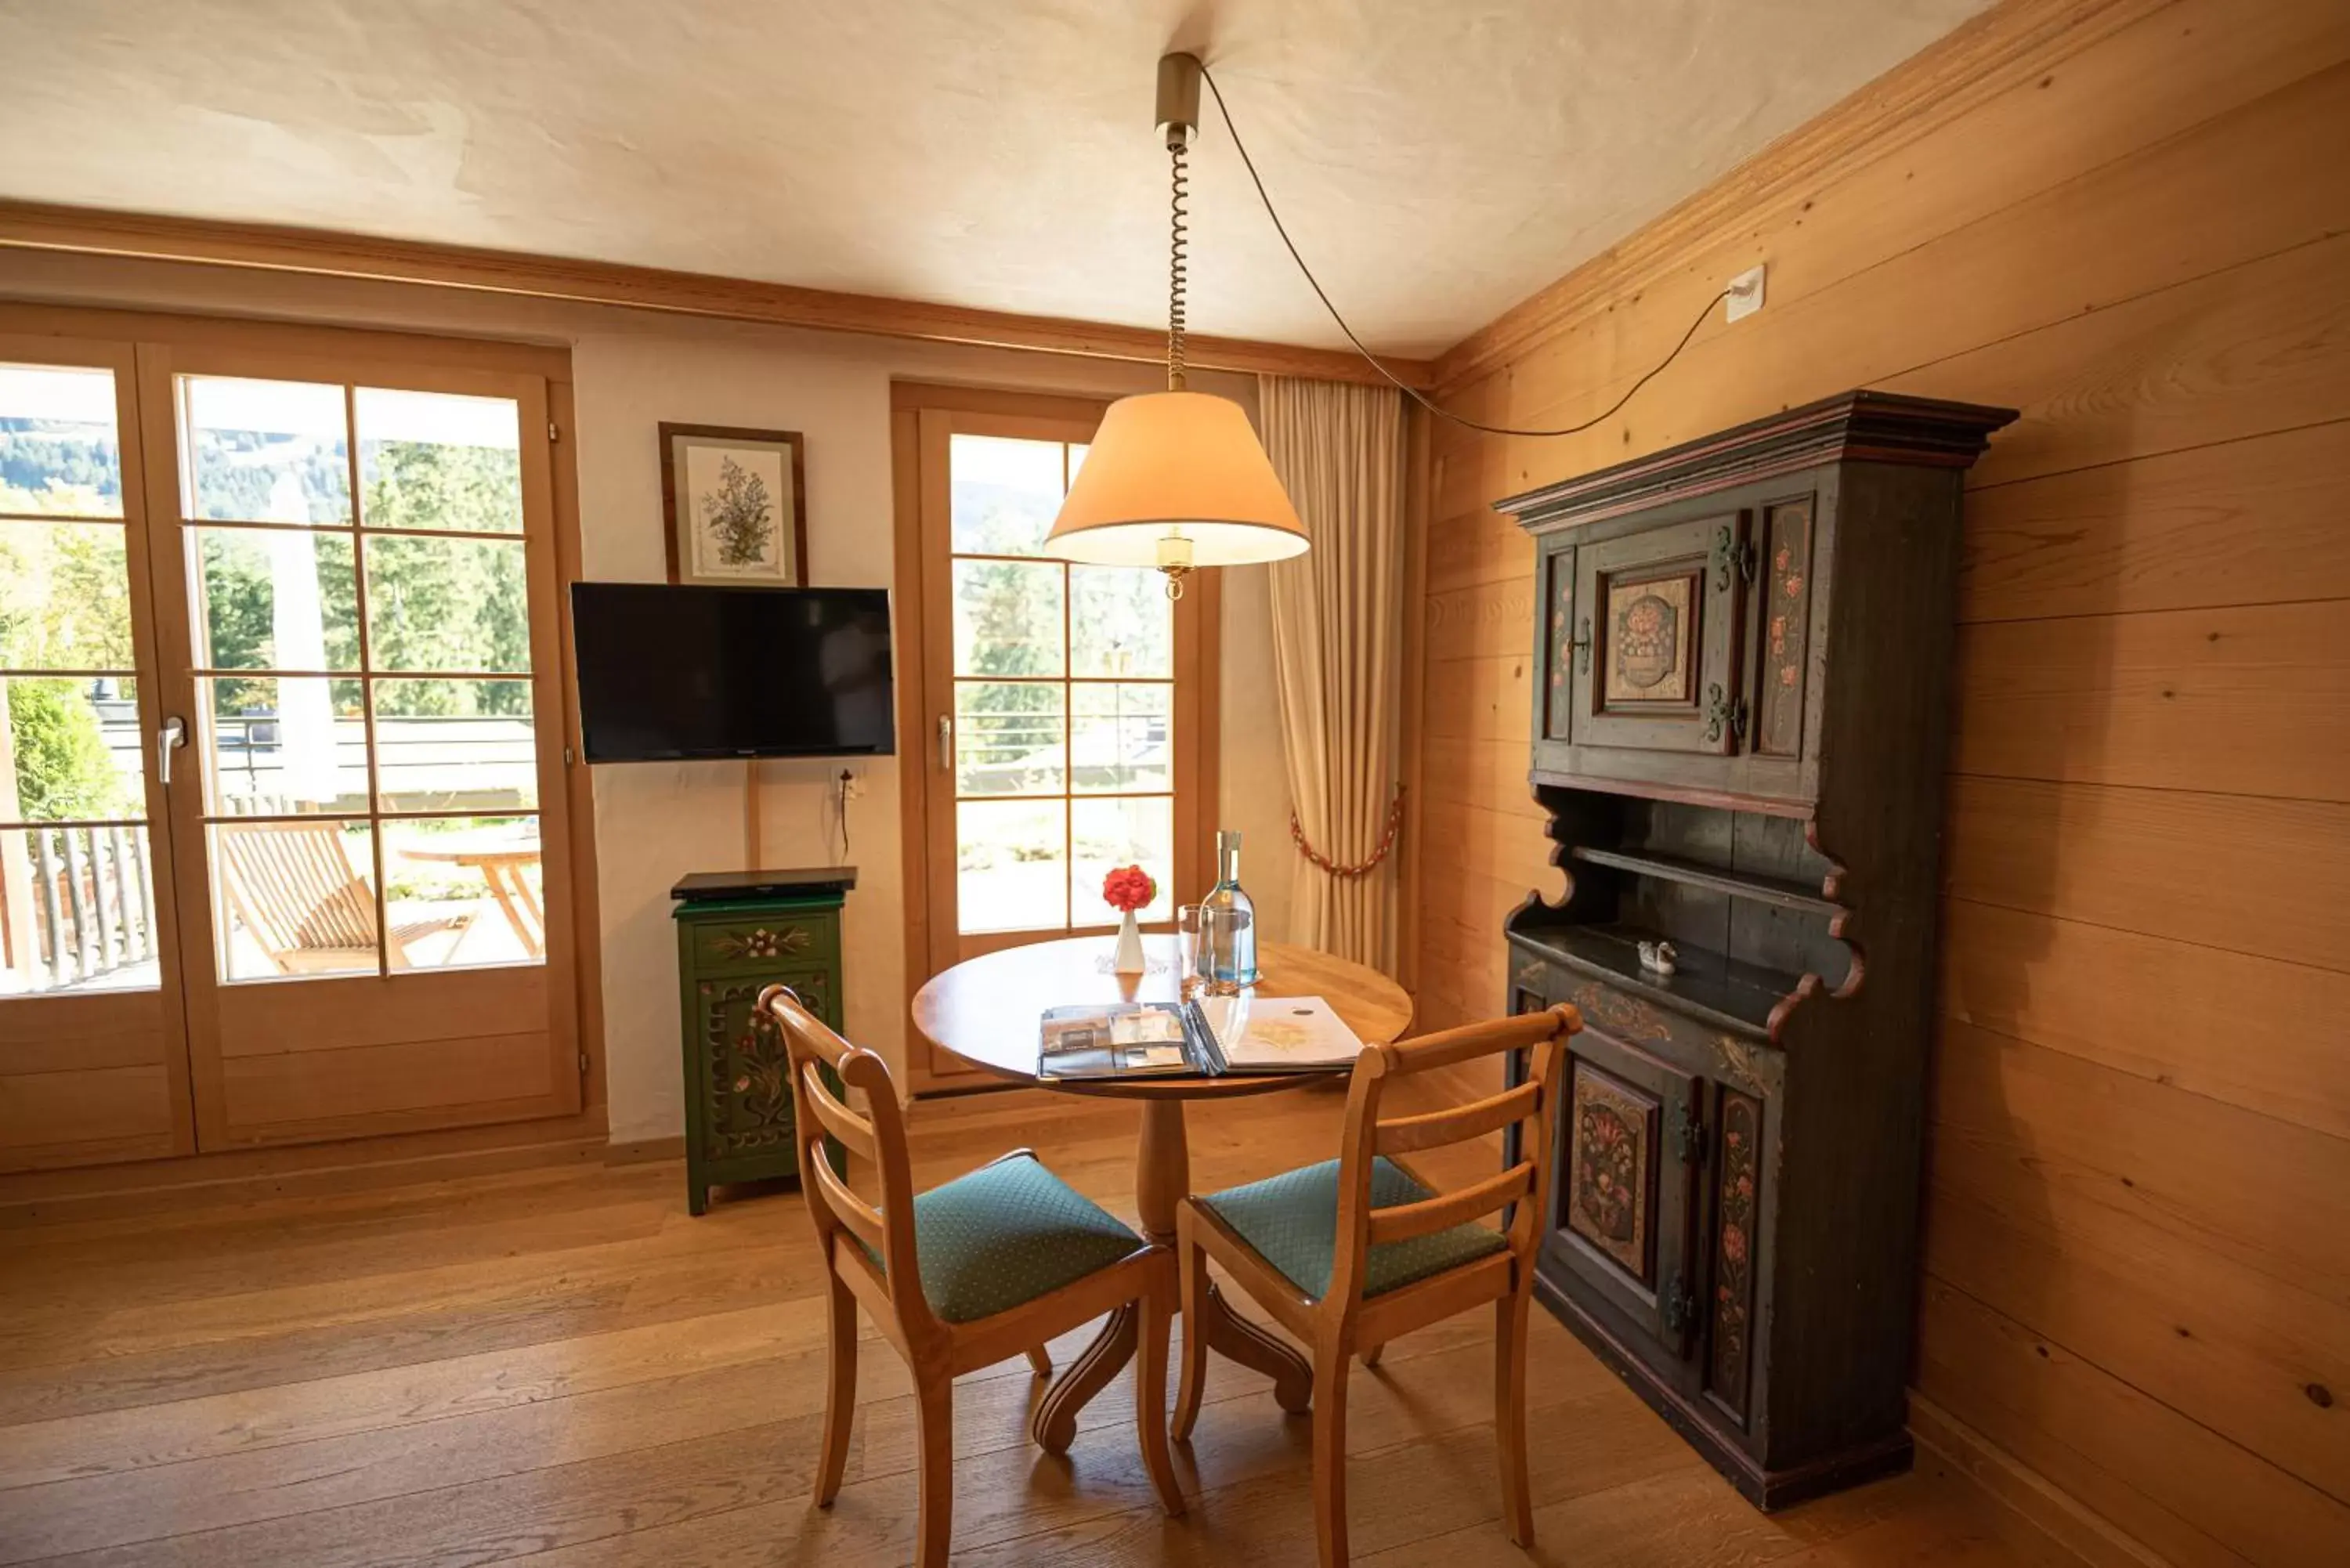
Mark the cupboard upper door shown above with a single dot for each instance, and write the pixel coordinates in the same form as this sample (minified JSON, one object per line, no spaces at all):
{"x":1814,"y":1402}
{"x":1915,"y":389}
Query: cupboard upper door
{"x":1783,"y":666}
{"x":1621,"y":1218}
{"x":1660,"y":672}
{"x":1561,"y":634}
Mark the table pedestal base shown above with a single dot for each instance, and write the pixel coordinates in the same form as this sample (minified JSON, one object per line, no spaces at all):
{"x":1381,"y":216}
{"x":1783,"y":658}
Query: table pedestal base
{"x":1162,"y":1177}
{"x":1055,"y":1424}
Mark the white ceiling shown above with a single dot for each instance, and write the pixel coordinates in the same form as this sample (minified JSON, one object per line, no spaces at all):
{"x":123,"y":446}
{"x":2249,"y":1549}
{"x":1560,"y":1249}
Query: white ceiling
{"x":1438,"y":161}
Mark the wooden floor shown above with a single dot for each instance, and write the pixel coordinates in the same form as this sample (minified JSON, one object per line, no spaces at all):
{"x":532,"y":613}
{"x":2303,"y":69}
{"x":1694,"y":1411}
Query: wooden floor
{"x":559,"y":1366}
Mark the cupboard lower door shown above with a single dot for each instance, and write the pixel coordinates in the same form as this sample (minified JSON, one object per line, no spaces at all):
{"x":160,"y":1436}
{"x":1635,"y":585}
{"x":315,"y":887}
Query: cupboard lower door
{"x":1625,"y":1207}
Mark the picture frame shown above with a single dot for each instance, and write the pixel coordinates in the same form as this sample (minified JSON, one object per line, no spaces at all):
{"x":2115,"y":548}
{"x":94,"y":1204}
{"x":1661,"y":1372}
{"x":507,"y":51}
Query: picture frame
{"x":734,"y":506}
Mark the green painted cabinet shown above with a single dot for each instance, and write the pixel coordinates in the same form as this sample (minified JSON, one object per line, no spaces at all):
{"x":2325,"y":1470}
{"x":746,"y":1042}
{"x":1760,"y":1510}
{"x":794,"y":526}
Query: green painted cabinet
{"x":736,"y":935}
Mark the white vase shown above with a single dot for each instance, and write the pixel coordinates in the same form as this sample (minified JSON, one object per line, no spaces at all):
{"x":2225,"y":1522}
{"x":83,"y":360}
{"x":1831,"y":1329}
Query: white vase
{"x":1130,"y":959}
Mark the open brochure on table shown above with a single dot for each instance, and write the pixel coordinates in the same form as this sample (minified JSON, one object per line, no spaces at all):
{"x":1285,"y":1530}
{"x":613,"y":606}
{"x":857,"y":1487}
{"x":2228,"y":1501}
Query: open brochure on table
{"x":1212,"y":1036}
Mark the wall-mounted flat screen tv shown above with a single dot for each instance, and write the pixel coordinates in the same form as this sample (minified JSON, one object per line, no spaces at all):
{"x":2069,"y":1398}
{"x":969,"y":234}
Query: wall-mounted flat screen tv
{"x":670,"y":673}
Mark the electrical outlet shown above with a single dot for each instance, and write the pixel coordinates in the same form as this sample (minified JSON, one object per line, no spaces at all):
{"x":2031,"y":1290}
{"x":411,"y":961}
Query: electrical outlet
{"x":1745,"y":294}
{"x":852,"y":784}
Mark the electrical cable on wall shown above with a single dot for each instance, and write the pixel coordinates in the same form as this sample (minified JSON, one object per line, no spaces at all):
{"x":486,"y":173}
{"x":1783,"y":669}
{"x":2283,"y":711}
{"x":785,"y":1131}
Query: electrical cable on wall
{"x":1372,"y":360}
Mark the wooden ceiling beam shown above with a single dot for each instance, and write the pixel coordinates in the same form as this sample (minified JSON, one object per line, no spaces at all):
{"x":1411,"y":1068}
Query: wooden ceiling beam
{"x":26,"y":225}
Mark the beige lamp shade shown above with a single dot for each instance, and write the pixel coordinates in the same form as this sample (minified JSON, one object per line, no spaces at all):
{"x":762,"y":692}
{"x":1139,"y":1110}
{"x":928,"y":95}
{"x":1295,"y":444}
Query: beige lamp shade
{"x":1176,"y":466}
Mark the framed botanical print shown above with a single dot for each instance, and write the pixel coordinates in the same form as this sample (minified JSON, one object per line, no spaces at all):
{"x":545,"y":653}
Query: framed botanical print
{"x":735,"y":503}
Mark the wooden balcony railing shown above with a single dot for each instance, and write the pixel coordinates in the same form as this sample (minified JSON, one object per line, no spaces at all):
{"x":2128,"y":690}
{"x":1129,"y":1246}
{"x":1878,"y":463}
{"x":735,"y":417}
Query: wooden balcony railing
{"x":91,"y":905}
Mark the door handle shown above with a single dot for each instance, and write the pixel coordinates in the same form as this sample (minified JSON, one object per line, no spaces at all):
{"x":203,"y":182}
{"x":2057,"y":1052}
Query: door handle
{"x":946,"y":743}
{"x":168,"y":739}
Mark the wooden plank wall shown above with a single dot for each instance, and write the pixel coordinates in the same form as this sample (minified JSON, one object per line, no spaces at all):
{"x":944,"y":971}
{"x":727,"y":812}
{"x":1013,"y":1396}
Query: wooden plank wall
{"x":2131,"y":219}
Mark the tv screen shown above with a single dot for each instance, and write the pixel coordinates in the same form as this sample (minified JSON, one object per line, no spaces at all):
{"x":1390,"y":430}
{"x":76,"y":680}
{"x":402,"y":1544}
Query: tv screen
{"x":668,"y":673}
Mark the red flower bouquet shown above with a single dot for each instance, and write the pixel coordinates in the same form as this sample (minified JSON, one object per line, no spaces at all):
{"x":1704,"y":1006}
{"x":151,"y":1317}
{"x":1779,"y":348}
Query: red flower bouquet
{"x":1128,"y":889}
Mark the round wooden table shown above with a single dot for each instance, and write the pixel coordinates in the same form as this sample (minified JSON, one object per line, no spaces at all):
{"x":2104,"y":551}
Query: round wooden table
{"x":985,"y":1010}
{"x":500,"y":857}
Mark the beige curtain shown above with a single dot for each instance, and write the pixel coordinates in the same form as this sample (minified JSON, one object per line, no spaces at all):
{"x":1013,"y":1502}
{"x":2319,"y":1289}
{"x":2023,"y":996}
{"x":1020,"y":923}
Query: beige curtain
{"x":1336,"y":632}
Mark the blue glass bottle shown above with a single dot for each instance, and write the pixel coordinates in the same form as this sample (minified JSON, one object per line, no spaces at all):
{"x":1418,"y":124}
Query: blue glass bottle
{"x":1232,"y":941}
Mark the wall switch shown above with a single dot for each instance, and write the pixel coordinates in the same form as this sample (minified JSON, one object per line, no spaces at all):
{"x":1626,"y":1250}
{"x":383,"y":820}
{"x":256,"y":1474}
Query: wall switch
{"x":1745,"y":294}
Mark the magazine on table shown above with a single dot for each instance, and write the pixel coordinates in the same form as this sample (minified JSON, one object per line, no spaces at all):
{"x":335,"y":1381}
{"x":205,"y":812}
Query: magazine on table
{"x":1210,"y":1036}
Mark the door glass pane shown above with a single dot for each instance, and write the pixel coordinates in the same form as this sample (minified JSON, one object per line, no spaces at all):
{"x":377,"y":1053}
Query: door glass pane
{"x":274,"y":599}
{"x":1011,"y":865}
{"x":294,"y":898}
{"x":265,"y":452}
{"x":279,"y":745}
{"x":1112,"y":833}
{"x":1003,"y":494}
{"x":80,"y":910}
{"x":74,"y":745}
{"x":77,"y":902}
{"x":433,"y":459}
{"x":1121,"y":737}
{"x":456,"y":745}
{"x":1121,"y":622}
{"x":463,"y":892}
{"x":1011,"y":738}
{"x":65,"y":597}
{"x":1008,"y":618}
{"x":58,"y":455}
{"x":447,"y":604}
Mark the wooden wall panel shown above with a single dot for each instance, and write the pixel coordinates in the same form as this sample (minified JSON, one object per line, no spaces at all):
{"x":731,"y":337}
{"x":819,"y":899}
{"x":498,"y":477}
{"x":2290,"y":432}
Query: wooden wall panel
{"x":2013,"y":1121}
{"x":2247,"y":699}
{"x":2234,"y":872}
{"x":2235,"y":1027}
{"x":2219,"y":1339}
{"x":2244,"y":352}
{"x":2256,"y":522}
{"x":2187,"y":1493}
{"x":2047,"y":262}
{"x":1471,"y":841}
{"x":1485,"y":696}
{"x":1489,"y":620}
{"x":2131,"y":219}
{"x":1861,"y":184}
{"x":1488,"y":772}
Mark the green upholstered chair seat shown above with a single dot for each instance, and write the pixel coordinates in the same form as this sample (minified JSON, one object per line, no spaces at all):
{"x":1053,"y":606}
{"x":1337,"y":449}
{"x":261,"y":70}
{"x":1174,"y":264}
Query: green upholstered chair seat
{"x":1292,"y":1220}
{"x":1007,"y":1233}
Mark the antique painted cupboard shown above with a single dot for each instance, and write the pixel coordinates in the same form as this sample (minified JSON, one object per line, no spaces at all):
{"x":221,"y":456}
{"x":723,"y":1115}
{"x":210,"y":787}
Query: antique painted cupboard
{"x":1742,"y":682}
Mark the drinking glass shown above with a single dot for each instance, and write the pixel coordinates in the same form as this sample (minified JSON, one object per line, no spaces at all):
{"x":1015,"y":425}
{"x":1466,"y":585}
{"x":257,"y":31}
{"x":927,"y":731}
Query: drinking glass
{"x":1189,"y":949}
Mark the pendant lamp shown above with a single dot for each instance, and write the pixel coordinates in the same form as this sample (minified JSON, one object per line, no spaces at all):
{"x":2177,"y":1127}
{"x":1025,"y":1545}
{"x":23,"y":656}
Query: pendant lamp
{"x":1176,"y":480}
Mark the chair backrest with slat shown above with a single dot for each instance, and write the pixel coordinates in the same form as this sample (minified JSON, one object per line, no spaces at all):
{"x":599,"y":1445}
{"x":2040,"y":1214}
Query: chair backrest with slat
{"x":875,"y":1136}
{"x":1532,"y":1106}
{"x":293,"y":884}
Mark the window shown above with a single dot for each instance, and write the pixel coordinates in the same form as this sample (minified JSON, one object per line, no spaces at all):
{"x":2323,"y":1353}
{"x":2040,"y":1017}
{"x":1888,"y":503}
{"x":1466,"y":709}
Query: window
{"x":363,"y":676}
{"x":1067,"y":705}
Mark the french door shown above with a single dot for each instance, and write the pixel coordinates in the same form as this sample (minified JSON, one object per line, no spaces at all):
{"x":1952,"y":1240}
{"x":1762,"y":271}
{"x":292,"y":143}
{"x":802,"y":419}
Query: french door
{"x":341,"y":711}
{"x":93,"y":1035}
{"x":1062,"y":721}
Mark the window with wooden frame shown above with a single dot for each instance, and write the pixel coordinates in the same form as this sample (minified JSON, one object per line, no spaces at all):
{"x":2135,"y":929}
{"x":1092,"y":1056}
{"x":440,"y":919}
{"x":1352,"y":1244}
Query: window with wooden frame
{"x":1059,"y":719}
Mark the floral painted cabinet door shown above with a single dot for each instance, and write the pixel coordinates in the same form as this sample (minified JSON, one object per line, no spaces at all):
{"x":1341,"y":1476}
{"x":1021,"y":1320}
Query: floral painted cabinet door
{"x":1655,"y":625}
{"x":1626,"y":1183}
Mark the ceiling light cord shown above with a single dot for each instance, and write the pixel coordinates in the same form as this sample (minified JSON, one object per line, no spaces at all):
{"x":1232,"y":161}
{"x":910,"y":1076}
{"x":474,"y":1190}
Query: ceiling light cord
{"x":1175,"y":325}
{"x":1178,"y":158}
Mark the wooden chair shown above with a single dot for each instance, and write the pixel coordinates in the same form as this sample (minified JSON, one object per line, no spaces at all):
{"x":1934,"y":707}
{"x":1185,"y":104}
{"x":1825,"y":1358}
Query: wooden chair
{"x":990,"y":1266}
{"x":291,"y":885}
{"x":1349,"y":1253}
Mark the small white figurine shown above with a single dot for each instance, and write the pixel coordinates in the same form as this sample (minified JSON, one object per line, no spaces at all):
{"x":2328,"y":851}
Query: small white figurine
{"x":1658,"y":957}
